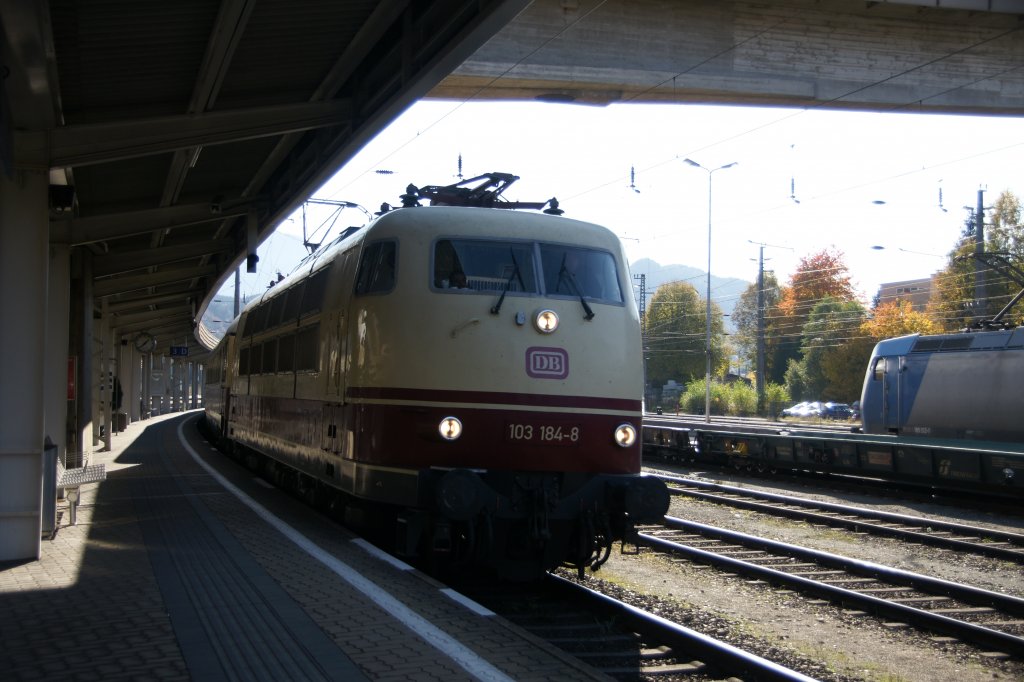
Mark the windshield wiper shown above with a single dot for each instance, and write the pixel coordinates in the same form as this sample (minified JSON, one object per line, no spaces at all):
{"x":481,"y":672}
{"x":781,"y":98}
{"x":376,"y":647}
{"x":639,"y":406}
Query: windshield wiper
{"x":496,"y":308}
{"x":571,"y":277}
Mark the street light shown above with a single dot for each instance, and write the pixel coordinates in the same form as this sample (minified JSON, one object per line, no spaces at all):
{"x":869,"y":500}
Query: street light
{"x":707,"y":339}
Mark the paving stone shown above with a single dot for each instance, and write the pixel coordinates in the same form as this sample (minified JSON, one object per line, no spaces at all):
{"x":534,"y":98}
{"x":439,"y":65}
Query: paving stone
{"x":163,"y":562}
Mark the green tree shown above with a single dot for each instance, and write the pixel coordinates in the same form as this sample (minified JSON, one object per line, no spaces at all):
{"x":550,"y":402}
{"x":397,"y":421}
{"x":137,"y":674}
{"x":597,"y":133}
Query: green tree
{"x":1006,"y":233}
{"x":830,"y":325}
{"x":736,"y":398}
{"x":776,"y":397}
{"x":952,"y":301}
{"x":844,"y":367}
{"x":797,"y":383}
{"x":675,"y":332}
{"x":744,"y":317}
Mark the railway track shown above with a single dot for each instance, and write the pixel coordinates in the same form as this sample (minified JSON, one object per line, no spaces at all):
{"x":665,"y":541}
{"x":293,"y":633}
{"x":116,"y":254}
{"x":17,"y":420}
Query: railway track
{"x":618,"y":639}
{"x":990,"y":620}
{"x":933,"y":532}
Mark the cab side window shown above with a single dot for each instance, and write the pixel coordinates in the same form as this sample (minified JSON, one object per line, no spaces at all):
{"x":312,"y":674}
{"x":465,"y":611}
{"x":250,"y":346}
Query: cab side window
{"x":376,"y":273}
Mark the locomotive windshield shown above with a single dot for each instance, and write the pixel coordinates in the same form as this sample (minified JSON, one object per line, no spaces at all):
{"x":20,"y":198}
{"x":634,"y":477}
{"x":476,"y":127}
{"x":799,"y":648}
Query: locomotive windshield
{"x":572,"y":271}
{"x":484,"y":265}
{"x":496,"y":266}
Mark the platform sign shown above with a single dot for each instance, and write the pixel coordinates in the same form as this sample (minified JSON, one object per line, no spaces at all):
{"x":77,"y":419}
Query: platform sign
{"x":179,"y":351}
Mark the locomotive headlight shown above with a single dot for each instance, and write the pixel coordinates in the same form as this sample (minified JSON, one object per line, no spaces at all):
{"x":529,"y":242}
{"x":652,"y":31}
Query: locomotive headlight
{"x":625,"y":435}
{"x":546,"y":321}
{"x":450,"y":428}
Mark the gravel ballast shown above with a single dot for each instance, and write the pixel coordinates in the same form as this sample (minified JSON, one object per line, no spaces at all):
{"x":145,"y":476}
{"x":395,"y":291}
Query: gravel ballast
{"x":819,"y":639}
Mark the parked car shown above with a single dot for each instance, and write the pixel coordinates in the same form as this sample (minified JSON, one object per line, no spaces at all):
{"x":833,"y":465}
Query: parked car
{"x":814,"y":409}
{"x":795,"y":410}
{"x":836,"y":411}
{"x":804,"y":410}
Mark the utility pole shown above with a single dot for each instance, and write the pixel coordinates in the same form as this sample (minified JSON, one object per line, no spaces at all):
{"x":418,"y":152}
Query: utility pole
{"x":761,"y":369}
{"x":642,"y":279}
{"x":980,"y":294}
{"x":760,"y":330}
{"x":238,"y":289}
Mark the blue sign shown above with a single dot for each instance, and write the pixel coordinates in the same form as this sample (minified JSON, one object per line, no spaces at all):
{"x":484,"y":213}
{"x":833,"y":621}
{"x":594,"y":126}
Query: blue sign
{"x":179,"y":351}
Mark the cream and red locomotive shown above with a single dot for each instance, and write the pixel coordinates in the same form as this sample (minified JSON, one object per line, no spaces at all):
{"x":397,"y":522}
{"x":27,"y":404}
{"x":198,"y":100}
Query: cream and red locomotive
{"x":470,"y":378}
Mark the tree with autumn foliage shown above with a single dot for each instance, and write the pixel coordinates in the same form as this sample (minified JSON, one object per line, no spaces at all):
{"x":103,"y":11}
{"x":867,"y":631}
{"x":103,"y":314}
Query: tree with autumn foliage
{"x":897,"y":318}
{"x":819,"y":276}
{"x":844,"y":367}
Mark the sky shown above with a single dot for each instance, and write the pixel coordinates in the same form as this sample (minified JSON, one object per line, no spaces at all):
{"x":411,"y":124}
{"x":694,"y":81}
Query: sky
{"x":804,"y":180}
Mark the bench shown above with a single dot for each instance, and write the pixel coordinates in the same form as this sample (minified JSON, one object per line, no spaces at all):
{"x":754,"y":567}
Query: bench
{"x":69,"y":480}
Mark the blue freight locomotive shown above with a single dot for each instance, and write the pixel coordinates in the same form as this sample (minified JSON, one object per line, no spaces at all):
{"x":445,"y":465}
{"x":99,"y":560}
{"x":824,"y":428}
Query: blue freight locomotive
{"x":952,"y":386}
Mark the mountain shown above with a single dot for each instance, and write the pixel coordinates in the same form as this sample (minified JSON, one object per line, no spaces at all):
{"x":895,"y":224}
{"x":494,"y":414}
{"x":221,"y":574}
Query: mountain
{"x":725,"y":291}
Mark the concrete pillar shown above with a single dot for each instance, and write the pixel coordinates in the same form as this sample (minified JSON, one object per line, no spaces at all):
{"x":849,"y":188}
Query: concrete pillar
{"x":160,"y":390}
{"x":57,"y":367}
{"x":106,"y":378}
{"x":96,"y":381}
{"x":134,"y":396}
{"x":127,"y":374}
{"x":195,"y":385}
{"x":147,"y":373}
{"x":84,"y":335}
{"x":176,"y":369}
{"x":24,"y":261}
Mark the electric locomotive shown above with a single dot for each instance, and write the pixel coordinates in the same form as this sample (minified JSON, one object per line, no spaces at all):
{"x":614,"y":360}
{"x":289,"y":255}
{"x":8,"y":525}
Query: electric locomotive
{"x":469,"y":378}
{"x":965,"y":385}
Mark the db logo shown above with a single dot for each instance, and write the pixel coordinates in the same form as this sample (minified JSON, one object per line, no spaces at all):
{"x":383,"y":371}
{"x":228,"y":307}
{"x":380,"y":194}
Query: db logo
{"x":547,"y":363}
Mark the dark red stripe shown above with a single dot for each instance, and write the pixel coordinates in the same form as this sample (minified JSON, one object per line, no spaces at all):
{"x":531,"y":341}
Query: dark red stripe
{"x":477,"y":397}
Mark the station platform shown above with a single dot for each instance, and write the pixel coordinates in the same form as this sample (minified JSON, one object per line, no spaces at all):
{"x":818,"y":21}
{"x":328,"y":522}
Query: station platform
{"x":184,"y":566}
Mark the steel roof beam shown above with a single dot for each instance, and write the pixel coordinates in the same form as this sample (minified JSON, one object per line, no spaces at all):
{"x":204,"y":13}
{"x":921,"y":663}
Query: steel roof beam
{"x":232,"y":19}
{"x":120,"y":285}
{"x":81,"y":145}
{"x":119,"y":263}
{"x":121,"y":306}
{"x":121,"y":320}
{"x":78,"y":231}
{"x":156,"y":325}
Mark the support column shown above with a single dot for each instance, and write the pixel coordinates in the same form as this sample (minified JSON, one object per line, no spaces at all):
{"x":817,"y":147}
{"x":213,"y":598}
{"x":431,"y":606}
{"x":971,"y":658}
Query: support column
{"x":24,"y":261}
{"x":161,"y":392}
{"x":147,"y":396}
{"x":178,"y":372}
{"x":106,"y":382}
{"x":127,"y":375}
{"x":56,"y":391}
{"x":84,"y":334}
